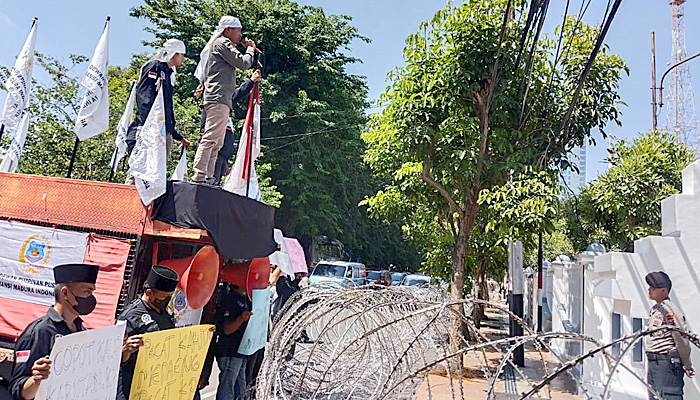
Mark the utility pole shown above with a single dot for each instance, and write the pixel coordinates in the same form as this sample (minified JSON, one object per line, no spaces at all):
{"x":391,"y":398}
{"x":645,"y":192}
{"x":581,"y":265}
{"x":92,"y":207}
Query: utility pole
{"x":515,"y":270}
{"x":540,"y":262}
{"x":653,"y":82}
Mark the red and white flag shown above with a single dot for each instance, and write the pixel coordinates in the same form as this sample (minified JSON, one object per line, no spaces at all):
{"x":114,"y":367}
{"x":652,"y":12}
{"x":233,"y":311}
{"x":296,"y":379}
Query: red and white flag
{"x":243,"y":180}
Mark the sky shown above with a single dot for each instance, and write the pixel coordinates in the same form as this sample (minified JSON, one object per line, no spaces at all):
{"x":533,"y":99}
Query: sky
{"x":74,"y":26}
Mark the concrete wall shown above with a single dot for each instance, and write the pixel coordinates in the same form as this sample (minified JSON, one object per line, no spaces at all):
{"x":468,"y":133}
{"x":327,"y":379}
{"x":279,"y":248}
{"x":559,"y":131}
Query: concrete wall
{"x":615,"y":283}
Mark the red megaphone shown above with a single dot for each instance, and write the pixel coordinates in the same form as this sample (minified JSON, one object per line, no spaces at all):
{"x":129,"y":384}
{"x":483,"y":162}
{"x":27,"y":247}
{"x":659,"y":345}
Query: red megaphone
{"x":253,"y":274}
{"x":199,"y":275}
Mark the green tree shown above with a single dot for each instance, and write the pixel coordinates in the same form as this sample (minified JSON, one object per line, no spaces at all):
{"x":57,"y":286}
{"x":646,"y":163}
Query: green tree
{"x":463,"y":114}
{"x":624,"y":204}
{"x":312,"y":114}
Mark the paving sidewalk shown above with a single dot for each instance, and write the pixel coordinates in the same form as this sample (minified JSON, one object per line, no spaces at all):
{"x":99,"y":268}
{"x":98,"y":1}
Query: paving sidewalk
{"x":511,"y":383}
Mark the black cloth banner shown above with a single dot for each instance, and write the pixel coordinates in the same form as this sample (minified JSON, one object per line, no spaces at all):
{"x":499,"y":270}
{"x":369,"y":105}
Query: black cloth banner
{"x":240,"y":227}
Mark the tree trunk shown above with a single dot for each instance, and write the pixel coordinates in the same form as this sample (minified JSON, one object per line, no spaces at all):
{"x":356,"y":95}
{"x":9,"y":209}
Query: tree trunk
{"x":482,"y":292}
{"x":457,"y":324}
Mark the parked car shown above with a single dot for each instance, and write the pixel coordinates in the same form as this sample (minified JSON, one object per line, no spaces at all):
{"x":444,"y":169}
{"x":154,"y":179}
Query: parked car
{"x":415,"y":280}
{"x":350,"y":273}
{"x":373,"y":275}
{"x":382,"y":277}
{"x":397,"y":277}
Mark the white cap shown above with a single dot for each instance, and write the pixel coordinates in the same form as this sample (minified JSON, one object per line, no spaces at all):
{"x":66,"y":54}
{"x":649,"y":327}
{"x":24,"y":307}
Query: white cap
{"x":169,"y":49}
{"x":228,"y":21}
{"x":174,"y":46}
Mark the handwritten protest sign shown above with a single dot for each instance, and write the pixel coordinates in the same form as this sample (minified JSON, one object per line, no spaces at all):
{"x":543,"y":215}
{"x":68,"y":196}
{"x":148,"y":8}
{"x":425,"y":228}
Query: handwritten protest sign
{"x":169,"y":363}
{"x":85,"y":365}
{"x":255,"y":335}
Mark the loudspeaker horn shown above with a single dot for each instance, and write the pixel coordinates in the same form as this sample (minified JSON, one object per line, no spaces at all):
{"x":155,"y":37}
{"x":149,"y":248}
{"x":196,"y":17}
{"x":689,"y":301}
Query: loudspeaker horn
{"x":250,"y":275}
{"x":199,"y":275}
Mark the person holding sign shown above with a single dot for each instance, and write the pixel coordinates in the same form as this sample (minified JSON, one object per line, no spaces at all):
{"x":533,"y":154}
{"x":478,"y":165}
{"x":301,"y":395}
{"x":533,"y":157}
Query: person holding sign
{"x":73,"y":292}
{"x":231,"y":318}
{"x":145,"y":314}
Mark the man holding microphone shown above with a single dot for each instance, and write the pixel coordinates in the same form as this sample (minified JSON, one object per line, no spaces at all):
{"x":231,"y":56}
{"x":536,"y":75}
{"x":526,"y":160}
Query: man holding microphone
{"x":217,"y":71}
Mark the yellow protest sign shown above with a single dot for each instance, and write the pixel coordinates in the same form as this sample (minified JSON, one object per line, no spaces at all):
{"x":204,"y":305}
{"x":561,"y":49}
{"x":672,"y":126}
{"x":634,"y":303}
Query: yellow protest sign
{"x":169,"y":363}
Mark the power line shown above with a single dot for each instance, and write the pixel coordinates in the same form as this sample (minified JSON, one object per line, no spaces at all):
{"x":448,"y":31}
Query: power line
{"x":310,"y":133}
{"x":305,"y":135}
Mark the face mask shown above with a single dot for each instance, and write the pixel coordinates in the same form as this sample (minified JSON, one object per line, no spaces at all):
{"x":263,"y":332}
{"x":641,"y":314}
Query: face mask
{"x":162,"y":304}
{"x":85,"y":304}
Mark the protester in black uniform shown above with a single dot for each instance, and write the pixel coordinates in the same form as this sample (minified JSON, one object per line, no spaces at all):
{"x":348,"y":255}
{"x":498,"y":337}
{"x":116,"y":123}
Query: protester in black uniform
{"x":160,"y":69}
{"x":229,"y":147}
{"x":73,"y":292}
{"x":145,"y":314}
{"x":231,"y":319}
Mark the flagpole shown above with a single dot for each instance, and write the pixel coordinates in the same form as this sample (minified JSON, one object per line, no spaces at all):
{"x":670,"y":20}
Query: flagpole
{"x":250,"y":144}
{"x":77,"y":139}
{"x":72,"y":157}
{"x":111,"y":171}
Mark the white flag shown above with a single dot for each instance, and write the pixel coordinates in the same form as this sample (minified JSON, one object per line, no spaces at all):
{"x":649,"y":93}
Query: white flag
{"x":93,"y":117}
{"x":238,"y":181}
{"x":281,"y":258}
{"x":19,"y":84}
{"x":11,"y":160}
{"x":122,"y":127}
{"x":148,"y":161}
{"x":180,"y":173}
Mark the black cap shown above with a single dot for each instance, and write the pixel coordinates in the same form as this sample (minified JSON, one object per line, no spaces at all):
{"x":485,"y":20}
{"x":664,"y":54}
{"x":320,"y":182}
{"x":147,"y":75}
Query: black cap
{"x":163,"y":278}
{"x":658,"y":279}
{"x":67,"y":273}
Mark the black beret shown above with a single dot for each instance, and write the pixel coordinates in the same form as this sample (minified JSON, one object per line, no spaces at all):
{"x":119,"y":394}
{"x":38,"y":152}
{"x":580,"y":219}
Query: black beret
{"x":67,"y":273}
{"x":658,"y":279}
{"x":163,"y":278}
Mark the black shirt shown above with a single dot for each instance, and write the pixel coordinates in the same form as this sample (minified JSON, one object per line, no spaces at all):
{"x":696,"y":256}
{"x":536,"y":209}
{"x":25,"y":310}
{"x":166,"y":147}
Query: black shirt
{"x":146,"y":94}
{"x":232,"y":305}
{"x":35,"y":342}
{"x":140,"y":318}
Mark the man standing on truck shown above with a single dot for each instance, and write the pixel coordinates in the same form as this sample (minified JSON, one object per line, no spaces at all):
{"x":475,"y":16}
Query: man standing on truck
{"x":217,"y":70}
{"x":145,"y":314}
{"x":157,"y":73}
{"x":73,"y":292}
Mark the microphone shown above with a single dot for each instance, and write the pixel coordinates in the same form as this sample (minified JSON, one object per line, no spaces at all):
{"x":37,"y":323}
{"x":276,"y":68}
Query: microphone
{"x":245,"y":40}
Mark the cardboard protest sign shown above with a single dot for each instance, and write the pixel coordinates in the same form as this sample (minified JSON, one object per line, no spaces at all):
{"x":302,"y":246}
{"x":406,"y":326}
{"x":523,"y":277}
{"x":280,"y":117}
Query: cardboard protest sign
{"x":85,"y":365}
{"x":170,"y":362}
{"x":255,"y":335}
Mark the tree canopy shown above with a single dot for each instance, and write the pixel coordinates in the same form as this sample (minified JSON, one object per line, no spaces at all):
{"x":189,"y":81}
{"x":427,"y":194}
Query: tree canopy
{"x":624,"y":204}
{"x":479,"y":99}
{"x":313,"y":112}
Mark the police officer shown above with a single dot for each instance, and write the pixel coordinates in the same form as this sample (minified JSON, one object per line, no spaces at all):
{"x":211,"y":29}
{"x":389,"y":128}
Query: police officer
{"x":668,"y":352}
{"x":73,"y":293}
{"x":145,"y":314}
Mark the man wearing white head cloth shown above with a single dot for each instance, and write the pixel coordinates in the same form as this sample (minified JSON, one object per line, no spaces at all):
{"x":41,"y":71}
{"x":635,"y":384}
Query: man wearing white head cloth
{"x":217,"y":71}
{"x":161,"y":68}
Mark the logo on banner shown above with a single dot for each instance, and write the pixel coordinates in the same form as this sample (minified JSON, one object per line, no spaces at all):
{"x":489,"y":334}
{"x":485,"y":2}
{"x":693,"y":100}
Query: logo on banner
{"x":35,"y":250}
{"x":179,"y":302}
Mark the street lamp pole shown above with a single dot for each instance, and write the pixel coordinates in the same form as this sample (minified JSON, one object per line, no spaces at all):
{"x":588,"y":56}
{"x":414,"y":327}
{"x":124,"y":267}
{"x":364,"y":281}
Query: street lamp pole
{"x":654,"y":112}
{"x":661,"y":85}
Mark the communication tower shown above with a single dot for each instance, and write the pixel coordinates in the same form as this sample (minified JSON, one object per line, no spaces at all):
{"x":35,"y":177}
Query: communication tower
{"x":681,"y":119}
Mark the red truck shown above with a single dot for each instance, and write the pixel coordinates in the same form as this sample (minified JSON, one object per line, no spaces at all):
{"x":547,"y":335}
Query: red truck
{"x":199,"y":229}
